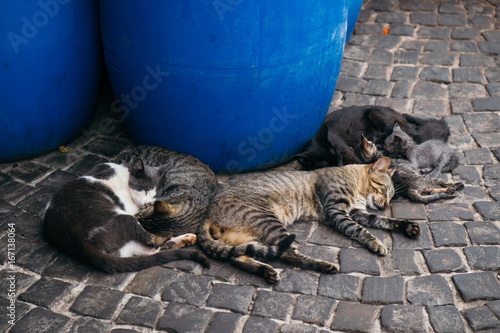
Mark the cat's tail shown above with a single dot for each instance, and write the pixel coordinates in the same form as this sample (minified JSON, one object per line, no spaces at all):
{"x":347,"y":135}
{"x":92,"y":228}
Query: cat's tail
{"x":114,"y":264}
{"x":219,"y":249}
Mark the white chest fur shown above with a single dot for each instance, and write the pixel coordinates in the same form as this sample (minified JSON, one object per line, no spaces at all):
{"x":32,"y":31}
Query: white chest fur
{"x":118,"y":183}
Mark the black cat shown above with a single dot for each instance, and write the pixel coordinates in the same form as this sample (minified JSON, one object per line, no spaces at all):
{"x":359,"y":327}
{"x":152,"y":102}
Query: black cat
{"x":338,"y":139}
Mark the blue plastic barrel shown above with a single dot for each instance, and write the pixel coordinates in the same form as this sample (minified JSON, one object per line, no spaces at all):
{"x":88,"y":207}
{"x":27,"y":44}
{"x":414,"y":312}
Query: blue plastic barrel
{"x":239,"y":84}
{"x":50,"y":71}
{"x":353,"y":9}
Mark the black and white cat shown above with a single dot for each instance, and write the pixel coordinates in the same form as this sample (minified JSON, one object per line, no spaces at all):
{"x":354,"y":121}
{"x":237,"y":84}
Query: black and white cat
{"x":92,"y":219}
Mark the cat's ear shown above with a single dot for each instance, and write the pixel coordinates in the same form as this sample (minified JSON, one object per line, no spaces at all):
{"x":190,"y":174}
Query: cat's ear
{"x":381,"y":165}
{"x":137,"y":167}
{"x":368,"y":146}
{"x":161,"y":207}
{"x":164,"y":208}
{"x":396,"y":127}
{"x":391,"y":171}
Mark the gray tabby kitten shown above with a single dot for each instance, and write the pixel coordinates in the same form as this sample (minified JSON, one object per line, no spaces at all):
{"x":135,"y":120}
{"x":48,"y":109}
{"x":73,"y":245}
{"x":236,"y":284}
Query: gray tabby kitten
{"x":182,"y":195}
{"x":431,"y":157}
{"x":248,"y":219}
{"x":415,"y":177}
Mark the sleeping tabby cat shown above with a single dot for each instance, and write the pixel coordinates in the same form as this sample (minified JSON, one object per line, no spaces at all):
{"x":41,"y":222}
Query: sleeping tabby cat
{"x":92,"y":219}
{"x":183,"y":194}
{"x":248,"y":219}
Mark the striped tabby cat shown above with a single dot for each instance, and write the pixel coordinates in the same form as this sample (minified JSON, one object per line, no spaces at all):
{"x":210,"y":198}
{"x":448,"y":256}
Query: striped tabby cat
{"x":183,"y":194}
{"x":248,"y":219}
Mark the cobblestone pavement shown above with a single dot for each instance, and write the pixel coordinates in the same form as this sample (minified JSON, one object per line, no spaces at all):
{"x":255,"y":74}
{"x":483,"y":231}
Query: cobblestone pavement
{"x":439,"y":59}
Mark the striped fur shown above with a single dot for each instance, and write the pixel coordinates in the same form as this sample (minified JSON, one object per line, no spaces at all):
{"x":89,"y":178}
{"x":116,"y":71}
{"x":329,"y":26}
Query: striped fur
{"x":249,"y":219}
{"x":183,"y":193}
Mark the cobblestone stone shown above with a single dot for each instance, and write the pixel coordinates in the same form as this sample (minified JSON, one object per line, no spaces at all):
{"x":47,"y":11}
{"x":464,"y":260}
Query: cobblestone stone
{"x":488,"y":209}
{"x":364,"y":314}
{"x":86,"y":324}
{"x":491,"y":174}
{"x":487,"y":139}
{"x":481,"y":318}
{"x":257,"y":324}
{"x":429,"y":290}
{"x":358,"y":260}
{"x":184,"y":318}
{"x":294,"y":281}
{"x":340,"y":286}
{"x":400,"y":262}
{"x":483,"y":257}
{"x":406,"y":73}
{"x":436,"y":74}
{"x":483,"y":232}
{"x":486,"y":104}
{"x":45,"y":292}
{"x":151,"y":281}
{"x":493,"y":89}
{"x":401,"y":89}
{"x":465,"y":33}
{"x":448,"y":234}
{"x":430,"y":108}
{"x":473,"y":75}
{"x":452,"y":20}
{"x":140,"y":311}
{"x":464,"y":46}
{"x":476,"y":60}
{"x":434,"y":33}
{"x":313,"y":309}
{"x":445,"y":319}
{"x":477,"y":286}
{"x":423,"y":18}
{"x":429,"y":90}
{"x":387,"y":17}
{"x":191,"y":289}
{"x":449,"y":212}
{"x":383,"y":290}
{"x":460,"y":106}
{"x":97,"y":302}
{"x":238,"y":302}
{"x":223,"y":322}
{"x":402,"y":318}
{"x":272,"y":304}
{"x":40,"y":320}
{"x":444,"y":261}
{"x":478,"y":156}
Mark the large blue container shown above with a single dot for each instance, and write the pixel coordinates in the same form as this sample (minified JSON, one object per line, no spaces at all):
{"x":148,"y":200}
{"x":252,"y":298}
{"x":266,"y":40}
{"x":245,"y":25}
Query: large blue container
{"x":50,"y":70}
{"x":239,"y":84}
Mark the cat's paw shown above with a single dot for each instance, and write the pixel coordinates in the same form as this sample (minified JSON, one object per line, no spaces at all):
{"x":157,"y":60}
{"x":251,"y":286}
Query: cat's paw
{"x":327,"y":267}
{"x":271,"y":275}
{"x":187,"y":239}
{"x":180,"y":241}
{"x":409,"y":229}
{"x":377,"y":247}
{"x":458,"y":186}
